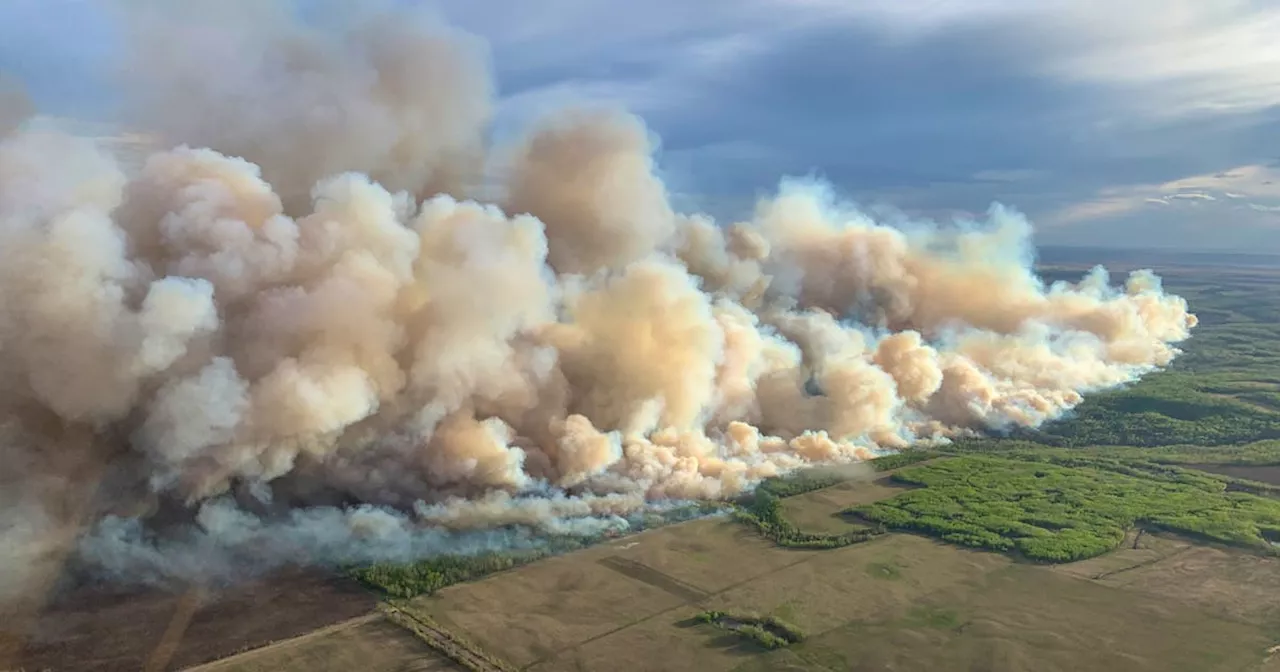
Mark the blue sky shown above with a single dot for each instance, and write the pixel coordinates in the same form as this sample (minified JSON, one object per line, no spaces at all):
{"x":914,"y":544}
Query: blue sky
{"x":1125,"y":122}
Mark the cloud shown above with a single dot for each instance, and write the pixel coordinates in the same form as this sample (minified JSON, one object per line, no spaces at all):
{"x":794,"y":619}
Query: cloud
{"x":1105,"y":206}
{"x":1256,"y":181}
{"x":1237,"y":208}
{"x":1252,"y":187}
{"x":933,"y":107}
{"x":1187,"y":57}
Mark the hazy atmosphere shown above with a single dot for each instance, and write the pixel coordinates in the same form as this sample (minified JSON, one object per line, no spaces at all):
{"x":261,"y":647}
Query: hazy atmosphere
{"x":1137,"y":123}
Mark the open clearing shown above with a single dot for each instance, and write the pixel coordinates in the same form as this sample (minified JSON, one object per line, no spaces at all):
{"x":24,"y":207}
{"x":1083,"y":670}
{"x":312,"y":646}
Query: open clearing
{"x":1264,"y":474}
{"x":1220,"y":581}
{"x":820,"y":511}
{"x":1138,"y":550}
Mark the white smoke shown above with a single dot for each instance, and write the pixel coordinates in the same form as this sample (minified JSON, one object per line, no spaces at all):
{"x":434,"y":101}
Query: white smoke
{"x":301,"y":302}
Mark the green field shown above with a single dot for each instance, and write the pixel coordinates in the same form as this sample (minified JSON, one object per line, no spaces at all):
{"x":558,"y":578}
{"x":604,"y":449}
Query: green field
{"x":1050,"y":513}
{"x":1140,"y":533}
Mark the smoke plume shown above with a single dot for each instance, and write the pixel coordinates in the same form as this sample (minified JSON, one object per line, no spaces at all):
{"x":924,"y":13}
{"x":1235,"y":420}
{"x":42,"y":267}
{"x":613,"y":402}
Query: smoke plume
{"x":293,"y":333}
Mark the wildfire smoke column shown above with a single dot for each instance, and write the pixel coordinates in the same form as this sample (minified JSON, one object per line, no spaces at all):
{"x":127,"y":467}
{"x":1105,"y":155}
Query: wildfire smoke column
{"x":299,"y":332}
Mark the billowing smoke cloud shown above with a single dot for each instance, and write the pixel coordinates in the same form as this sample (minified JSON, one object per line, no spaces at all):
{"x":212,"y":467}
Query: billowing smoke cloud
{"x":290,"y":336}
{"x":398,"y":96}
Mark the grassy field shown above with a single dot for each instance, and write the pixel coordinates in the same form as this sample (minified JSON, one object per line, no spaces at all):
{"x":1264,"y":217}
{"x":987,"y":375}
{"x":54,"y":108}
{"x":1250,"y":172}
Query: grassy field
{"x":1138,"y":534}
{"x":1025,"y":618}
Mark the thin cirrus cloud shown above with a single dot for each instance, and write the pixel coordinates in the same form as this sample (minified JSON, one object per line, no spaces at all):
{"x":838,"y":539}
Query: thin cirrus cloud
{"x":1080,"y":113}
{"x":1231,"y":209}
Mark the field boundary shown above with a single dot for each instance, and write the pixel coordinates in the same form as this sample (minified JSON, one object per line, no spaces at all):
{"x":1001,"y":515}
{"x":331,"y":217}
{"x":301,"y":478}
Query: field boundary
{"x":319,"y":632}
{"x":451,"y":646}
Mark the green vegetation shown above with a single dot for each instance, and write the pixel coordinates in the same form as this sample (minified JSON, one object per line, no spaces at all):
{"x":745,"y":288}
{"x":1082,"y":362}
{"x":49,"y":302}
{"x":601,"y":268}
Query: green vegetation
{"x":1156,"y":463}
{"x":1169,"y":408}
{"x":932,"y":617}
{"x":807,"y":480}
{"x":798,"y":483}
{"x":762,"y":510}
{"x":884,"y":570}
{"x":1256,"y":453}
{"x":1224,"y":390}
{"x":1052,"y":513}
{"x":904,"y":458}
{"x":1126,"y":457}
{"x":427,"y":576}
{"x":764,"y":513}
{"x":767,"y":631}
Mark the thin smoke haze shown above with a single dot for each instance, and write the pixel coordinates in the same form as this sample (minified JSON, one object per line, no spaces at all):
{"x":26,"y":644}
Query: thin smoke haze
{"x":296,"y":333}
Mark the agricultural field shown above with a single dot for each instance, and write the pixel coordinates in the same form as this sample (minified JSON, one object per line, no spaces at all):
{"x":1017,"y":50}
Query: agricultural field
{"x":900,"y":601}
{"x":1140,"y":533}
{"x":372,"y":642}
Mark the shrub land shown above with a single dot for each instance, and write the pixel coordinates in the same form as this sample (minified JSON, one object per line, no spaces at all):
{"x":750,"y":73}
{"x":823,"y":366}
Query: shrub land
{"x":1052,"y":513}
{"x":766,"y":631}
{"x":427,"y":576}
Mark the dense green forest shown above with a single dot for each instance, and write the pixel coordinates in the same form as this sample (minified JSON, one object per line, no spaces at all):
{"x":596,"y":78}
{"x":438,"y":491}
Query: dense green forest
{"x":1051,"y":513}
